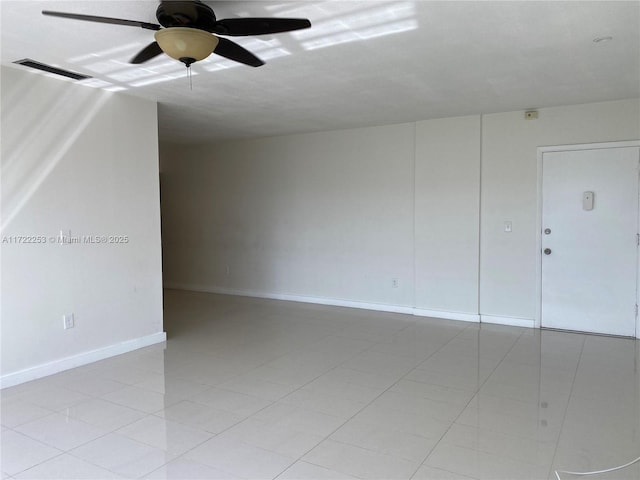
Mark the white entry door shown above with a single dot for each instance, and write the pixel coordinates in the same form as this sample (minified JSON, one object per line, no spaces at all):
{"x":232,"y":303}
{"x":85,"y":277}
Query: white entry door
{"x":589,"y":240}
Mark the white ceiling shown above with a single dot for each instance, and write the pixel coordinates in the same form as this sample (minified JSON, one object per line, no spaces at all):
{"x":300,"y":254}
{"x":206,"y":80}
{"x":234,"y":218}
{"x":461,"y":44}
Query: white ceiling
{"x":362,"y":63}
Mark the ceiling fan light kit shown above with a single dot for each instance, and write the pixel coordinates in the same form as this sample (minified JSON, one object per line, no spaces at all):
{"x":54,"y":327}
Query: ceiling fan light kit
{"x":186,"y":44}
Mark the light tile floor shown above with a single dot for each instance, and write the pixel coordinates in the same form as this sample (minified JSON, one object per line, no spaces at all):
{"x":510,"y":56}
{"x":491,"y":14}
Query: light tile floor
{"x":250,"y":388}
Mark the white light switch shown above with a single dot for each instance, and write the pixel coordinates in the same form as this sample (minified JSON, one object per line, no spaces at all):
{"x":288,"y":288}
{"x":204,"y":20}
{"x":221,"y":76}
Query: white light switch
{"x":507,"y":226}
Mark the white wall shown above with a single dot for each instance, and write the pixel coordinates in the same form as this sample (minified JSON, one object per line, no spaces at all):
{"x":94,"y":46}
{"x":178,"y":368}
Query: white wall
{"x":325,"y":215}
{"x":447,"y":220}
{"x":509,"y":191}
{"x":336,"y":215}
{"x":81,"y":160}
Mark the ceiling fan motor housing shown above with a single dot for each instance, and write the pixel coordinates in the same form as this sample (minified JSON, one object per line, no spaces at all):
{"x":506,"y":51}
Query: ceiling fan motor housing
{"x":186,"y":14}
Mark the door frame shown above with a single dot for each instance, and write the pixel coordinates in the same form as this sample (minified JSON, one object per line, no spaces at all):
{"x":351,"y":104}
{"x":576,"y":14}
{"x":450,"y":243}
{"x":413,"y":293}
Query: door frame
{"x":565,"y":148}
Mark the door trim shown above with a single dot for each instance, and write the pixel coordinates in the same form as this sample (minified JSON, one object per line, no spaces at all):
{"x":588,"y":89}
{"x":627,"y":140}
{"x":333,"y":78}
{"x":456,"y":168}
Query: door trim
{"x":565,"y":148}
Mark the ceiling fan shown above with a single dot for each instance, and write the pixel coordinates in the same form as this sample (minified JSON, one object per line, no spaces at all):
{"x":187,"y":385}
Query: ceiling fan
{"x":192,"y":32}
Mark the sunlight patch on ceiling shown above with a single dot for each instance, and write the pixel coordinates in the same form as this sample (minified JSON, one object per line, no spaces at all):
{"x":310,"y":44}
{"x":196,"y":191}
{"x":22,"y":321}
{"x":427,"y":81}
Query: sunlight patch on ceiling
{"x":214,"y":64}
{"x":110,"y":52}
{"x":118,"y":75}
{"x":321,"y":10}
{"x":96,"y":83}
{"x":181,"y":73}
{"x":134,"y":74}
{"x":354,"y":36}
{"x":106,"y":66}
{"x":334,"y":23}
{"x":375,"y":20}
{"x":265,"y":49}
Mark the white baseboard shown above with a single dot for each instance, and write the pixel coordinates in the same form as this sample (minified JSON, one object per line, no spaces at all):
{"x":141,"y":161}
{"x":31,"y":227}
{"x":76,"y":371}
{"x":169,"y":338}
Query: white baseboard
{"x":464,"y":317}
{"x":514,"y":322}
{"x":334,"y":302}
{"x":57,"y":366}
{"x":380,"y":307}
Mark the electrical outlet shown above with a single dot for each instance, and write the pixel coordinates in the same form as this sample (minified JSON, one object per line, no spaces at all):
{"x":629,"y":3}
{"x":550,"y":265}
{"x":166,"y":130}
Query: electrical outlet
{"x":69,"y":321}
{"x":394,"y":283}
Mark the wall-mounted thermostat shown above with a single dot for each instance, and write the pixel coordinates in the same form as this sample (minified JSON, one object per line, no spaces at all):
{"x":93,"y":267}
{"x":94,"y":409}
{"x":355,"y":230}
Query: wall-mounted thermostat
{"x":587,"y":201}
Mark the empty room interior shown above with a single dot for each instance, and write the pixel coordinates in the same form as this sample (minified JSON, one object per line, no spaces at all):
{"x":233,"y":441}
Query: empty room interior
{"x":320,"y":239}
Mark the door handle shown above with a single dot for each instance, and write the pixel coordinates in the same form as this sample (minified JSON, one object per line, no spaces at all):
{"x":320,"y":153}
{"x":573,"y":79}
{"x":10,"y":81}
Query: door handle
{"x":547,"y":251}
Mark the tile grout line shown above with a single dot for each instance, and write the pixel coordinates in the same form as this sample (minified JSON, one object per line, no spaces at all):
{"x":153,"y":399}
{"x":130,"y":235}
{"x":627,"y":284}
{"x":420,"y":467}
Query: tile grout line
{"x":373,"y":400}
{"x":352,"y":416}
{"x":273,"y":402}
{"x":564,"y":416}
{"x":190,"y":398}
{"x":471,"y":399}
{"x":115,"y":431}
{"x":62,"y":452}
{"x":383,"y":339}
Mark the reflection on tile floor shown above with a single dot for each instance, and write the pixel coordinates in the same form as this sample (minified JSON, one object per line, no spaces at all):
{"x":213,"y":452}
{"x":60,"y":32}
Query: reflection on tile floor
{"x":250,"y":388}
